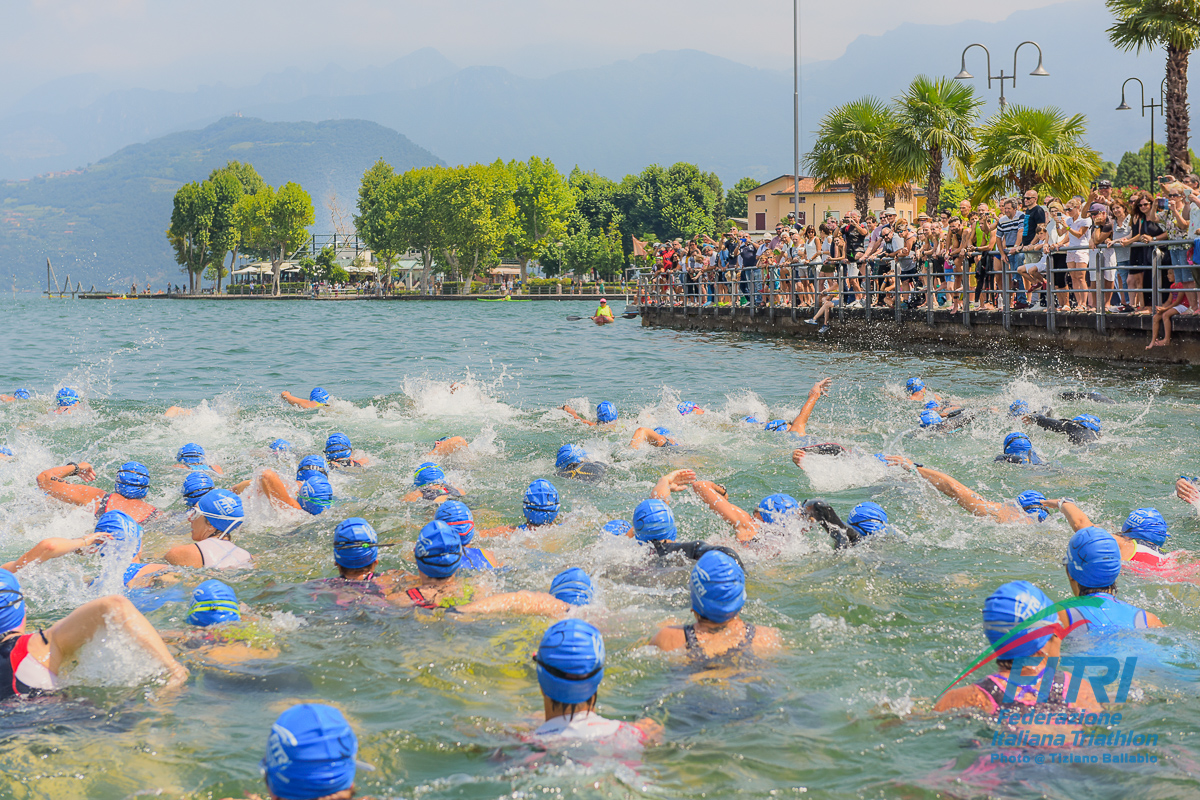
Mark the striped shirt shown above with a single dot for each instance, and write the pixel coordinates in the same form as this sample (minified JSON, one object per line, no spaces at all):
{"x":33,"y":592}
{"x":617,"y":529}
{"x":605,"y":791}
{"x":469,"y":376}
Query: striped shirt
{"x":1008,"y":228}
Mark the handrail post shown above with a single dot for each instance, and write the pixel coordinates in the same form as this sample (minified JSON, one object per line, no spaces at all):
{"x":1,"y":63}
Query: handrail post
{"x":864,"y":283}
{"x":1155,"y":280}
{"x":1100,"y":320}
{"x":841,"y":279}
{"x":896,"y":280}
{"x":1051,"y":297}
{"x":1006,"y":290}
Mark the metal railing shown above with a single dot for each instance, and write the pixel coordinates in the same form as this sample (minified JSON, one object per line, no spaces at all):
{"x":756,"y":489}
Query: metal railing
{"x":886,"y":286}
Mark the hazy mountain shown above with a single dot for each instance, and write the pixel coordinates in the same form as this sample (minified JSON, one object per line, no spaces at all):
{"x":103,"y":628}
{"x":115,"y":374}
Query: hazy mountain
{"x":106,"y":224}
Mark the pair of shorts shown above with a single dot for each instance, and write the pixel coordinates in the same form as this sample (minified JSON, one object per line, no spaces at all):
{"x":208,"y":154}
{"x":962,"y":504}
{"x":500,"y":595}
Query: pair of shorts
{"x":1078,"y":257}
{"x":1183,"y":274}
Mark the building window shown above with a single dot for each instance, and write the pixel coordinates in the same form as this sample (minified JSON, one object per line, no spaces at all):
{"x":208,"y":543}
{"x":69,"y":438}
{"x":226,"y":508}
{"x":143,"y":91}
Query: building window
{"x":879,"y":192}
{"x":760,"y":198}
{"x":803,"y":199}
{"x":803,"y":218}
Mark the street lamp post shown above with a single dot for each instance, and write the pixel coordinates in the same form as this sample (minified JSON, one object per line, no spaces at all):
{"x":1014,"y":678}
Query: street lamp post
{"x":964,"y":75}
{"x":1153,"y":106}
{"x":795,"y":111}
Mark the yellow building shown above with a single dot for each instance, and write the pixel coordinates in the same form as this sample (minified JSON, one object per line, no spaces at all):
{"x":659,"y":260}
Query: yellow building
{"x":771,"y":202}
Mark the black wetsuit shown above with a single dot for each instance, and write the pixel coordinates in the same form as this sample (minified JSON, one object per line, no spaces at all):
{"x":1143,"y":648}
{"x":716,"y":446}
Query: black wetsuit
{"x":432,"y":491}
{"x":692,"y":550}
{"x":586,"y":471}
{"x":955,"y":421}
{"x":843,"y":535}
{"x":1077,"y":432}
{"x":824,"y":449}
{"x":1095,"y":397}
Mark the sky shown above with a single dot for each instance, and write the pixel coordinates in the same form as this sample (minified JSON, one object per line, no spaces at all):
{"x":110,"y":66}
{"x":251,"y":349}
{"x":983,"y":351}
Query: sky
{"x":166,"y":43}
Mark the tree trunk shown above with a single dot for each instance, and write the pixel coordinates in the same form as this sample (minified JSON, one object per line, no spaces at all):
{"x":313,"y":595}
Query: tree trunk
{"x":862,"y":194}
{"x":469,"y":274}
{"x":933,"y":186}
{"x":232,"y":263}
{"x":889,"y":198}
{"x":276,"y":268}
{"x":524,"y":274}
{"x":426,"y":271}
{"x":1178,"y":122}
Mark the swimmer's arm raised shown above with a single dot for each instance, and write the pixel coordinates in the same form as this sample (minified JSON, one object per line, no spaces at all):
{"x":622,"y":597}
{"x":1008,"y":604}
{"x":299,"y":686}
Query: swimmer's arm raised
{"x":577,"y":416}
{"x":643,"y":435}
{"x":1186,"y":491}
{"x":966,"y":498}
{"x":276,"y":490}
{"x":55,"y":548}
{"x":745,"y":525}
{"x":300,"y":401}
{"x":800,"y":423}
{"x":675,"y":481}
{"x":1072,"y":512}
{"x":51,"y":482}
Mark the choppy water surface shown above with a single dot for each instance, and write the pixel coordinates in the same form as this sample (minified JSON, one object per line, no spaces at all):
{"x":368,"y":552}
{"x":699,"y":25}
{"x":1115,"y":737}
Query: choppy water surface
{"x":872,"y":635}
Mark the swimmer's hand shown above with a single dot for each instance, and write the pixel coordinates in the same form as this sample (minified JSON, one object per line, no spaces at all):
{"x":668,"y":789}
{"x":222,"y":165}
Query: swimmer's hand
{"x":1186,"y":491}
{"x":820,"y":388}
{"x":85,"y":472}
{"x":798,"y":458}
{"x":899,"y":461}
{"x":680,"y":479}
{"x":93,"y":539}
{"x":650,"y":729}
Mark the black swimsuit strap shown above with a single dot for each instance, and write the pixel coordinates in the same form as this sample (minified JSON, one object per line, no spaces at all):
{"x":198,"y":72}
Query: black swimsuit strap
{"x":748,"y":639}
{"x":689,"y":637}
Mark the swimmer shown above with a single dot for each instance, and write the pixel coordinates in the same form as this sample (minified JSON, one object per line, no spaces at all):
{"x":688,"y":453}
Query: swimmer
{"x":18,"y":394}
{"x":116,"y":536}
{"x":195,"y":486}
{"x":311,"y":755}
{"x":1030,"y":506}
{"x":213,"y":520}
{"x":569,"y":589}
{"x":618,"y":527}
{"x":6,"y":454}
{"x":317,"y":398}
{"x":313,"y":492}
{"x":540,"y":507}
{"x":1009,"y":606}
{"x":1095,"y":397}
{"x":773,"y":509}
{"x":177,"y":411}
{"x":606,"y":414}
{"x":659,"y":437}
{"x":654,"y":524}
{"x":933,"y":421}
{"x":132,"y":484}
{"x":31,"y":663}
{"x":191,"y":456}
{"x":1141,"y":538}
{"x":448,"y":445}
{"x":280,"y":446}
{"x":865,"y":521}
{"x":1080,"y":430}
{"x":215,"y":608}
{"x":570,"y":666}
{"x":341,"y":453}
{"x":65,"y":400}
{"x":437,"y":584}
{"x":1093,"y":564}
{"x":459,"y":518}
{"x":1018,"y":408}
{"x":799,"y":425}
{"x":572,"y":461}
{"x":688,"y":407}
{"x":1019,"y":450}
{"x":430,"y":483}
{"x":355,"y":550}
{"x":603,"y":315}
{"x":915,"y":387}
{"x":718,"y":589}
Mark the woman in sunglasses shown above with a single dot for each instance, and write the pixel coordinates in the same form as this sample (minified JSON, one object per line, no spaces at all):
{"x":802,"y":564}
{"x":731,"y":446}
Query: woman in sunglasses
{"x":214,"y":518}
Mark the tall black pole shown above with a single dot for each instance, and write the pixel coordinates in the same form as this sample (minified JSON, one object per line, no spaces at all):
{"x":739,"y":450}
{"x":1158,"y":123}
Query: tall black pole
{"x":1152,"y":175}
{"x":796,"y":110}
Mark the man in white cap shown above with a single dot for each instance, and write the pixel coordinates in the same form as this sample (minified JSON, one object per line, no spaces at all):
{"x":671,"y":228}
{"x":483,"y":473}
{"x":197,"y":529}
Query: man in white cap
{"x":603,"y":313}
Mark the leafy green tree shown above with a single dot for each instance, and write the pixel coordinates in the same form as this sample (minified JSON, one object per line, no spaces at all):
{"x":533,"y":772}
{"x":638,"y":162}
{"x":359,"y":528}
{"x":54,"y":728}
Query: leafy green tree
{"x":1133,"y":170}
{"x":475,"y":210}
{"x":597,"y":252}
{"x":276,"y":222}
{"x":1026,"y":148}
{"x":245,"y":174}
{"x":1174,"y":25}
{"x":852,"y":146}
{"x":413,"y":198}
{"x":543,"y":202}
{"x":953,"y":192}
{"x":191,"y":228}
{"x":1108,"y":171}
{"x":935,"y":119}
{"x":375,"y":206}
{"x":671,"y":203}
{"x":718,"y":208}
{"x":735,"y":202}
{"x":230,"y":182}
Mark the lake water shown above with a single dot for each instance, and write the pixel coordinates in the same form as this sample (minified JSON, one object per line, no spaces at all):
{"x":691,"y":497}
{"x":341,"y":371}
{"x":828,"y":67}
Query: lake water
{"x":872,"y":636}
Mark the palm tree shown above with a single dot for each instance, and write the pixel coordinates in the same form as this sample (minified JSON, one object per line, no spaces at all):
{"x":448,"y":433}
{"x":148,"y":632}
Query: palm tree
{"x":935,"y":120}
{"x":1175,"y":25}
{"x":852,"y":146}
{"x":1024,"y":148}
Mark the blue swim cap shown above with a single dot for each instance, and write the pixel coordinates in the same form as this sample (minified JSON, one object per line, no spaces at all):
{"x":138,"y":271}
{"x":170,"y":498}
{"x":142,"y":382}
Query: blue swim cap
{"x":315,"y":495}
{"x":572,"y":586}
{"x":1089,"y":421}
{"x":338,"y":447}
{"x":752,"y":421}
{"x":319,"y":395}
{"x":1033,"y":502}
{"x":223,"y":510}
{"x":777,"y":425}
{"x":1093,"y":558}
{"x":569,"y":454}
{"x":310,"y":753}
{"x":1017,"y":443}
{"x":932,"y":404}
{"x":868,"y":518}
{"x":12,"y":602}
{"x":66,"y":397}
{"x":1009,"y":606}
{"x":21,"y":394}
{"x":606,"y":412}
{"x":456,"y":514}
{"x":281,"y":445}
{"x":6,"y":452}
{"x":1146,"y":524}
{"x":354,"y":544}
{"x":541,"y":502}
{"x":617,"y":527}
{"x":930,"y":418}
{"x":213,"y":603}
{"x":125,"y":530}
{"x":310,"y":466}
{"x":438,"y":550}
{"x":428,"y":473}
{"x":133,"y":480}
{"x":776,"y":507}
{"x":1019,"y":408}
{"x":686,"y":408}
{"x":914,"y":385}
{"x":661,"y":431}
{"x":195,"y":486}
{"x":570,"y":661}
{"x":190,"y":453}
{"x":882,"y":459}
{"x":718,"y":587}
{"x":653,"y":520}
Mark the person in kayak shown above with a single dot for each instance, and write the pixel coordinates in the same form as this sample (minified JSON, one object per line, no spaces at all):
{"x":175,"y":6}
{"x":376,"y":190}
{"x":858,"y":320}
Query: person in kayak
{"x":317,"y":398}
{"x":1093,"y":564}
{"x":603,"y":315}
{"x":213,"y":520}
{"x":132,"y":484}
{"x":1028,"y":507}
{"x":192,"y":457}
{"x":429,"y":482}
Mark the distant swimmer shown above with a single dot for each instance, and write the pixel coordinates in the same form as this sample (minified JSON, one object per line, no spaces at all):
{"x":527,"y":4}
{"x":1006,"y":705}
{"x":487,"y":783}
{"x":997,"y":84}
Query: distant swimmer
{"x":430,"y":484}
{"x":341,"y":453}
{"x":132,"y":484}
{"x":1080,"y":430}
{"x":1006,"y":608}
{"x":438,"y":582}
{"x":311,"y":754}
{"x":31,"y":664}
{"x":658,"y":437}
{"x":539,"y":505}
{"x":799,"y":425}
{"x":18,"y":394}
{"x":1019,"y":450}
{"x":1142,"y":535}
{"x":311,"y":491}
{"x":317,"y":398}
{"x":617,"y":527}
{"x":280,"y":446}
{"x":116,"y":538}
{"x":448,"y":445}
{"x":65,"y":400}
{"x":1093,"y":564}
{"x":213,"y":520}
{"x":570,"y":666}
{"x":654,"y":525}
{"x":688,"y":407}
{"x":606,"y":414}
{"x":718,"y":592}
{"x":1029,"y":506}
{"x":1095,"y":397}
{"x":603,"y":315}
{"x":456,"y":514}
{"x":1187,"y":489}
{"x":573,"y":461}
{"x":192,"y":456}
{"x":569,"y":589}
{"x":915,"y":388}
{"x":933,"y":421}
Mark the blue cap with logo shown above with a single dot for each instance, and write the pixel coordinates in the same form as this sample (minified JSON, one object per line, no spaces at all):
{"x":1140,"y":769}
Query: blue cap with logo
{"x":654,"y":520}
{"x":1009,"y":606}
{"x":223,"y":510}
{"x":868,"y":518}
{"x":311,"y":753}
{"x":12,"y":602}
{"x":1033,"y":503}
{"x":1019,"y":408}
{"x":195,"y":486}
{"x":540,"y":504}
{"x":606,"y":412}
{"x":777,"y":507}
{"x":930,"y":418}
{"x":21,"y":394}
{"x":428,"y":473}
{"x":338,"y":447}
{"x":1093,"y":558}
{"x":1147,"y":525}
{"x":281,"y":446}
{"x":570,"y":661}
{"x":319,"y":395}
{"x":355,"y":544}
{"x":572,"y":586}
{"x":315,"y":495}
{"x":776,"y":425}
{"x":213,"y":603}
{"x":438,"y":550}
{"x":190,"y":453}
{"x":718,"y":587}
{"x":133,"y":480}
{"x":125,"y":533}
{"x":66,"y":397}
{"x":1089,"y":421}
{"x":456,"y":514}
{"x":686,"y":407}
{"x":569,"y":454}
{"x":310,"y":466}
{"x":914,"y":385}
{"x":618,"y":527}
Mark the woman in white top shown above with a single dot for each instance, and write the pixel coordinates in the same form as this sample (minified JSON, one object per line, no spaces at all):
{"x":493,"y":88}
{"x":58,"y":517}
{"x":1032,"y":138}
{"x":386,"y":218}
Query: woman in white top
{"x":811,"y":257}
{"x":1122,"y":231}
{"x":213,"y":519}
